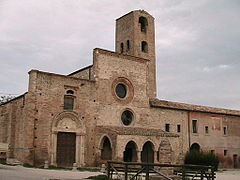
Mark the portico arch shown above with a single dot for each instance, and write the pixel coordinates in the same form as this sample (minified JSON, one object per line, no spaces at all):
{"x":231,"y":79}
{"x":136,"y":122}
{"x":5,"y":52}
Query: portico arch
{"x":130,"y":153}
{"x":106,"y":148}
{"x":195,"y":147}
{"x":147,"y":154}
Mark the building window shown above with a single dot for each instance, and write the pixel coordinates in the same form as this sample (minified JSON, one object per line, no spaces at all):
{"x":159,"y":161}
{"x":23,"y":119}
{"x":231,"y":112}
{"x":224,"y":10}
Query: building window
{"x":178,"y":128}
{"x":127,"y":117}
{"x":70,"y":92}
{"x":194,"y":126}
{"x":167,"y":127}
{"x":121,"y":90}
{"x":212,"y":151}
{"x":122,"y":48}
{"x":128,"y":45}
{"x":68,"y":102}
{"x":206,"y":130}
{"x":143,"y":22}
{"x":225,"y":152}
{"x":144,"y":46}
{"x":224,"y":130}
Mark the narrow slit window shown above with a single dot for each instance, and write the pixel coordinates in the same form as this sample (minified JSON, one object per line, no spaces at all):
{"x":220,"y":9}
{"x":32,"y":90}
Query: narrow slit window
{"x":225,"y":152}
{"x":167,"y":127}
{"x":122,"y":47}
{"x":178,"y":128}
{"x":144,"y":46}
{"x":206,"y":130}
{"x":128,"y":45}
{"x":224,"y":130}
{"x":194,"y":126}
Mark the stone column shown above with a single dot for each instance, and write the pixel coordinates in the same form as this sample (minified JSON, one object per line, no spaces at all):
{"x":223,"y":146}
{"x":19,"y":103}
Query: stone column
{"x":54,"y":149}
{"x":139,"y":156}
{"x":81,"y":152}
{"x":78,"y":149}
{"x":155,"y":157}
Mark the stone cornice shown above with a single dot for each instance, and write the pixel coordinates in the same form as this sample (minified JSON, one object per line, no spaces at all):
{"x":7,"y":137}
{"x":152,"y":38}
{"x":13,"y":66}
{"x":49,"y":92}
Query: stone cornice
{"x":119,"y":55}
{"x":137,"y":131}
{"x":59,"y":75}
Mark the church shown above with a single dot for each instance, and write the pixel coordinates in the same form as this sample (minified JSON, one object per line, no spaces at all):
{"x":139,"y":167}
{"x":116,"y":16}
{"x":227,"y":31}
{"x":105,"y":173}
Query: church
{"x":109,"y":111}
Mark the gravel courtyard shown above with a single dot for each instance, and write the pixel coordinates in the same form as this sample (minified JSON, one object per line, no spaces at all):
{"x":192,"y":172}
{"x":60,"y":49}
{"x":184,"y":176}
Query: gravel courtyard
{"x":22,"y":173}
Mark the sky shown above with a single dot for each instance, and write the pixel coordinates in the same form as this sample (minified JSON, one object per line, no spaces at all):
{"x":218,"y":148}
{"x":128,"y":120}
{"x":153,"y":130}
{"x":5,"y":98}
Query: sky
{"x":197,"y":43}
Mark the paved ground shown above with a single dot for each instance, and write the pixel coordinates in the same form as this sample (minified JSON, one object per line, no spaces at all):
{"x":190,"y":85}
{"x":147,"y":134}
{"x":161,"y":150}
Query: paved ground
{"x":229,"y":175}
{"x":22,"y":173}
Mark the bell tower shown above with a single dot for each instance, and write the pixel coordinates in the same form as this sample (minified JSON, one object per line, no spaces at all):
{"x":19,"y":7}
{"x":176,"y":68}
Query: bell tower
{"x":135,"y":36}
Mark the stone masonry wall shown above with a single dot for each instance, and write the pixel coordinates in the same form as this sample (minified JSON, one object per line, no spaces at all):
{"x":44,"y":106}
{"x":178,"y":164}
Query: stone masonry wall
{"x":49,"y":91}
{"x":85,"y":73}
{"x":215,"y":139}
{"x":114,"y":66}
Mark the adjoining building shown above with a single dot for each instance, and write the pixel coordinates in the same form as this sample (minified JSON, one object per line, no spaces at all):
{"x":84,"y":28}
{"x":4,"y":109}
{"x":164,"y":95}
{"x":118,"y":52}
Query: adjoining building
{"x":109,"y":110}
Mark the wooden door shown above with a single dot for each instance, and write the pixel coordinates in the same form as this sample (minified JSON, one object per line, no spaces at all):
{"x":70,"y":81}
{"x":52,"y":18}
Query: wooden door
{"x":66,"y":149}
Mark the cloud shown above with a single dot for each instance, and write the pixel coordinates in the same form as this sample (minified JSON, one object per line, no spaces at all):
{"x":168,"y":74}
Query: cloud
{"x":197,"y":43}
{"x":224,"y":66}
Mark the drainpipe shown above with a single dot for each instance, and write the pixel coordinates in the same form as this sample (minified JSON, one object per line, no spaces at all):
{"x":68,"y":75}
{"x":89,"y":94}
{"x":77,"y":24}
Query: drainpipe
{"x":189,"y":131}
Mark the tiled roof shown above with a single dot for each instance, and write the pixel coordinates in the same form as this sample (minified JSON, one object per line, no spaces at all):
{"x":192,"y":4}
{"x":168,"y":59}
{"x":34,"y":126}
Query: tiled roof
{"x":190,"y":107}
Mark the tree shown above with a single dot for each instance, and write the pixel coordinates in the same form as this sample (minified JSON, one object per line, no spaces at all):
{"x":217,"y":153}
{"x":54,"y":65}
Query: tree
{"x":5,"y":98}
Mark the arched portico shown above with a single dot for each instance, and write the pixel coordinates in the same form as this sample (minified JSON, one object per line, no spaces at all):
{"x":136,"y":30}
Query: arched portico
{"x":130,"y":153}
{"x":106,"y":149}
{"x":147,"y":154}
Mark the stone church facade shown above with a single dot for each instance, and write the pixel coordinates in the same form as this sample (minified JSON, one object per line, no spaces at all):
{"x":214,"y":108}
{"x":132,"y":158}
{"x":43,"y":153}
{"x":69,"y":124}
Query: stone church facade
{"x":109,"y":110}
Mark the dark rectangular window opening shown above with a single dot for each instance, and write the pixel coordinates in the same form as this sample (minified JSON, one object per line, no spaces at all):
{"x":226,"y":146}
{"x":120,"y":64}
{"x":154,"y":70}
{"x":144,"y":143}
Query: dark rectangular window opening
{"x":206,"y":130}
{"x":178,"y":128}
{"x":225,"y":152}
{"x":194,"y":126}
{"x":167,"y":127}
{"x":225,"y":130}
{"x":68,"y":103}
{"x":212,"y":151}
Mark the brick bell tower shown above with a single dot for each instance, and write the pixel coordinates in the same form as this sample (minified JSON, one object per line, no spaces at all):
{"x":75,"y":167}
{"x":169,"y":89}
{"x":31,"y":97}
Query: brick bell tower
{"x":135,"y":36}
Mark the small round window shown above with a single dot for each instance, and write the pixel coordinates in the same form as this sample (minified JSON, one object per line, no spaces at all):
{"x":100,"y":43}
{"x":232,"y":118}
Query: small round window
{"x":121,"y":90}
{"x":127,"y":117}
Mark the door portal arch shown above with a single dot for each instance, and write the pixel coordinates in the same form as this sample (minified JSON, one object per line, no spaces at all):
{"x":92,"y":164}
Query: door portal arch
{"x":67,"y":139}
{"x":195,"y":147}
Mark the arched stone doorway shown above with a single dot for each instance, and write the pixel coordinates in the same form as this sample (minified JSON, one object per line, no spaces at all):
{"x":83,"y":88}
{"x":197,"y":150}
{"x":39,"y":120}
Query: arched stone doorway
{"x":106,"y":149}
{"x":165,"y":152}
{"x":130,"y":153}
{"x":147,"y":154}
{"x":195,"y":147}
{"x":67,"y":144}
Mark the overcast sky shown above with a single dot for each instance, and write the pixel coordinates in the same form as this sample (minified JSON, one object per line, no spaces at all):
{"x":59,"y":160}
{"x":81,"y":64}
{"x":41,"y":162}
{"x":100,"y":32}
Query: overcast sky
{"x":197,"y":43}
